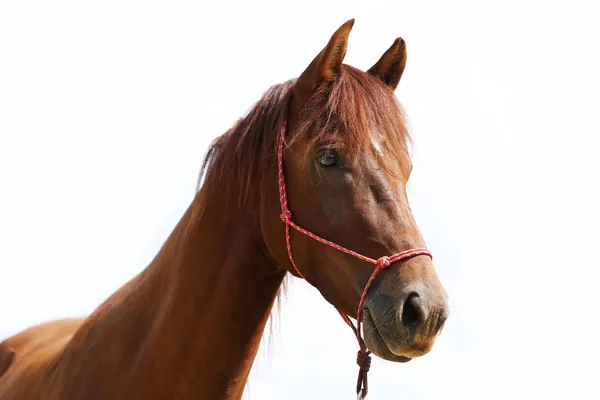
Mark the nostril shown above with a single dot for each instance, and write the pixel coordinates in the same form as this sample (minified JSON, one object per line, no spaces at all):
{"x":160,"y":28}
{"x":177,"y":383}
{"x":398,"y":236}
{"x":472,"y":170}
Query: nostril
{"x":413,"y":312}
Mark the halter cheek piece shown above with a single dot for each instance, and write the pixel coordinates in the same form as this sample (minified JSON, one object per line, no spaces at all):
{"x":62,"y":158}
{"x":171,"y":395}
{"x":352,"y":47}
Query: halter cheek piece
{"x":363,"y":359}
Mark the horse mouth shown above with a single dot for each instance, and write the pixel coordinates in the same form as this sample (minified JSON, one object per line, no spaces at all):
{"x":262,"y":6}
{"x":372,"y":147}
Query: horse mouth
{"x":375,"y":341}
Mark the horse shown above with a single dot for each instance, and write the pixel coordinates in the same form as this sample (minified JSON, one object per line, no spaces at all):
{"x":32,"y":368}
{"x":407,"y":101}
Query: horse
{"x":322,"y":156}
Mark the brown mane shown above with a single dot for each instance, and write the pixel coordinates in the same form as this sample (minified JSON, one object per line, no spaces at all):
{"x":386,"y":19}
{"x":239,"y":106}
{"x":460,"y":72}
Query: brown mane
{"x":238,"y":155}
{"x":348,"y":112}
{"x":351,"y":112}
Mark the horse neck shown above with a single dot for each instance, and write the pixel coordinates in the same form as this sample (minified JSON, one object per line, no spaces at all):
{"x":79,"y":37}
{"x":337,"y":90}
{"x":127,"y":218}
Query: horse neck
{"x":188,"y":326}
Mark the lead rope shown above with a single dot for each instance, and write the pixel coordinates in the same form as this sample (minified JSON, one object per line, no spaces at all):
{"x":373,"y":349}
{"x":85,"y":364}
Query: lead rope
{"x":363,"y":359}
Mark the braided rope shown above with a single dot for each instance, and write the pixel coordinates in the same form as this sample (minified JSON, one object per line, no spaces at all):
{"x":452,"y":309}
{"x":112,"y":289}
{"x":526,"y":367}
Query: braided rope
{"x":363,"y":358}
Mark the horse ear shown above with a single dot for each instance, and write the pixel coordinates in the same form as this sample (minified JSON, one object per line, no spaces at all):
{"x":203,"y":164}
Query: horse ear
{"x":390,"y":66}
{"x":326,"y":66}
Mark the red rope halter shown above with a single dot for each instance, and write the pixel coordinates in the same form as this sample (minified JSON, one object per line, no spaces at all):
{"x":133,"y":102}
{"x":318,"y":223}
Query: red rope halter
{"x":363,"y":359}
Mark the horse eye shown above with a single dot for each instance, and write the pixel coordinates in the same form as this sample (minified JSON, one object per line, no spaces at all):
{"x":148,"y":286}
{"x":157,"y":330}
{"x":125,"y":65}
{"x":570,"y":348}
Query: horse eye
{"x":327,"y":158}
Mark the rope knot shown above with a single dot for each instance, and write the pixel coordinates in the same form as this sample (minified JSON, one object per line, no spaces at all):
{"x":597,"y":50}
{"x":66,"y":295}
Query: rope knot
{"x":286,"y":216}
{"x":363,"y":359}
{"x":384,"y":261}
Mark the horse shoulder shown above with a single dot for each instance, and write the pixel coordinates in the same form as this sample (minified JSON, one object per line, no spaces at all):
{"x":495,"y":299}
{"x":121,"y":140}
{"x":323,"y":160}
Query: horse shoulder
{"x":7,"y":356}
{"x":39,"y":344}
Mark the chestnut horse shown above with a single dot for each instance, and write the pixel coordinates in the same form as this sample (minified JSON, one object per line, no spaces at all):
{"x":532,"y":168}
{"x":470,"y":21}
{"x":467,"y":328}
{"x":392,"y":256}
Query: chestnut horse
{"x":190,"y":324}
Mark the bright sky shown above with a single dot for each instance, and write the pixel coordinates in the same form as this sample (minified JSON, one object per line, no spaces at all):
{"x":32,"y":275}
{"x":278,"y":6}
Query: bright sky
{"x":106,"y":110}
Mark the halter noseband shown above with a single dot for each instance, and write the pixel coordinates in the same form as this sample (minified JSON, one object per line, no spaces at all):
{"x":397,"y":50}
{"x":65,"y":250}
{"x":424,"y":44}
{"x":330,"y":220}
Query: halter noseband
{"x":363,"y":359}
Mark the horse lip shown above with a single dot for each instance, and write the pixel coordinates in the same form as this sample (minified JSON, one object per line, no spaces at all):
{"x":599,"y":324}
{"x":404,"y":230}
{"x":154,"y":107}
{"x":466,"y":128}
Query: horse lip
{"x":378,"y":343}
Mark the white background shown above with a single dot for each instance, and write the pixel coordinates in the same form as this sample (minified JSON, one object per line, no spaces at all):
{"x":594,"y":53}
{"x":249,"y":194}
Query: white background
{"x":106,"y":109}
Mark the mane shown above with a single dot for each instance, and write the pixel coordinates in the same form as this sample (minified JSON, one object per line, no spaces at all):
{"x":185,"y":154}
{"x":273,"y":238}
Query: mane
{"x":235,"y":159}
{"x":356,"y":111}
{"x":360,"y":114}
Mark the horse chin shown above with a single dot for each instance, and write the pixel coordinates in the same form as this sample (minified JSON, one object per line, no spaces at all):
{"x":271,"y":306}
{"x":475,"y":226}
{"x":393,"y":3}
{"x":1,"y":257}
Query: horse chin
{"x":375,"y":342}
